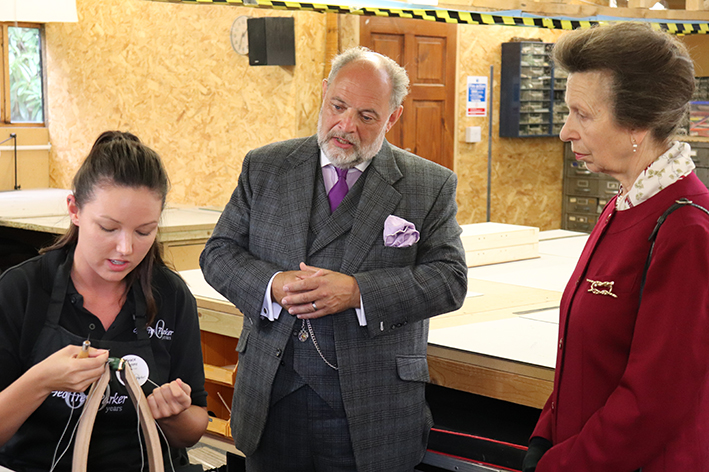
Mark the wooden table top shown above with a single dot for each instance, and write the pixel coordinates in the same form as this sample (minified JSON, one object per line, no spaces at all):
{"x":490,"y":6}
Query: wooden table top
{"x":44,"y":210}
{"x":502,"y":341}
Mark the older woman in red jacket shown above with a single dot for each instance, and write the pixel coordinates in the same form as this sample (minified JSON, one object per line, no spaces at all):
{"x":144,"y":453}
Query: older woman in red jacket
{"x":630,"y":388}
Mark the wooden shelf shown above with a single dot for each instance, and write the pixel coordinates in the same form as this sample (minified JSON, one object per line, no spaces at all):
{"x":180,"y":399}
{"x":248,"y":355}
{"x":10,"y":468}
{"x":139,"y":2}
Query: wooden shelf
{"x":221,"y":375}
{"x":219,"y":426}
{"x":220,"y":359}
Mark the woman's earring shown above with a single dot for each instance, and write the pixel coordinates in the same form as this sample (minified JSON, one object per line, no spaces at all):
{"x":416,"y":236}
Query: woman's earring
{"x":635,"y":145}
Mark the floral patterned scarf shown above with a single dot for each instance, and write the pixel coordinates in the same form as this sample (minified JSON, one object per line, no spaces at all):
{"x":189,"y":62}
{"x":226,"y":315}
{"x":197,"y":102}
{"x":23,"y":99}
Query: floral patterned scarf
{"x":667,"y":169}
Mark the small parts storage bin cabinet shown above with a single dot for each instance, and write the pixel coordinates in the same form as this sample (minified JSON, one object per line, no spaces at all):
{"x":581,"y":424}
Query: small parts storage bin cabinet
{"x":532,"y":91}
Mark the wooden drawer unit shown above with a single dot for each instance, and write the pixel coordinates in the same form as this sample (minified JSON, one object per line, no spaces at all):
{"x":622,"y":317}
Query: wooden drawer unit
{"x":220,"y":361}
{"x":220,"y":326}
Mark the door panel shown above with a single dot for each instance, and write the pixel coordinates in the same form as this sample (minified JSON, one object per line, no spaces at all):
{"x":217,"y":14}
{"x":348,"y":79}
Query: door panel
{"x":428,"y":129}
{"x":391,"y":45}
{"x":427,"y":51}
{"x":430,"y":64}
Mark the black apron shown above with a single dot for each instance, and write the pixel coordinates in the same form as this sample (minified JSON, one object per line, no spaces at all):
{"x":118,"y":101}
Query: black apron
{"x":114,"y":442}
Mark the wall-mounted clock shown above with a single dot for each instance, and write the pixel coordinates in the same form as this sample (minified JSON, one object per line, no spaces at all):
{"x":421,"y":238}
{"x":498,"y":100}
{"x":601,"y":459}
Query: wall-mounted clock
{"x":240,"y":36}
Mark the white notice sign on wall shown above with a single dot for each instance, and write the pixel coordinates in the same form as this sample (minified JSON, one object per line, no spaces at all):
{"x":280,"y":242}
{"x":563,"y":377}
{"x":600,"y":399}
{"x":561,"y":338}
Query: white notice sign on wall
{"x":477,"y":96}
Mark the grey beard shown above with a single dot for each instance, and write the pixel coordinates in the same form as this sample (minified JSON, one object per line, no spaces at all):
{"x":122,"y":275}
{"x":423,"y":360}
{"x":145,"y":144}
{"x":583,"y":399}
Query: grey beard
{"x":349,"y":159}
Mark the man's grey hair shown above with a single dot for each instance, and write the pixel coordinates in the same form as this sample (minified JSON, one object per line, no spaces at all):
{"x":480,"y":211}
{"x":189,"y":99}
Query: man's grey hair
{"x":397,"y":75}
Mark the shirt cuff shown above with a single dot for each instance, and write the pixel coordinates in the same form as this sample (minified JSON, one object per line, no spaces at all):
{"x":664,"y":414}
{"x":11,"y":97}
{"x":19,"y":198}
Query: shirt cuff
{"x":270,"y":310}
{"x":359,"y":312}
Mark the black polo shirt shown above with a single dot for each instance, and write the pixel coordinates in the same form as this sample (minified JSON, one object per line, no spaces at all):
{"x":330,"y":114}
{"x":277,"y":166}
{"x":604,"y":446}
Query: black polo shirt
{"x":25,"y":291}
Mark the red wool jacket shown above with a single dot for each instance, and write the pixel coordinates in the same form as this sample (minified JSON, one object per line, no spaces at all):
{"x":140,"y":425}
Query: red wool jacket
{"x":630,"y":387}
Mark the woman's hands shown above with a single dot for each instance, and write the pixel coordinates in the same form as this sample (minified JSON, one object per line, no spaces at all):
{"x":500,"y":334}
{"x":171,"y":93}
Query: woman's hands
{"x":182,"y":422}
{"x":65,"y":371}
{"x":170,"y":399}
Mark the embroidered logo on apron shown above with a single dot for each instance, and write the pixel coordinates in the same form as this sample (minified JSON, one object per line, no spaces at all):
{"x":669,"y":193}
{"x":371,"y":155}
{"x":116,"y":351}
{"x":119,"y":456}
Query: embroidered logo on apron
{"x":160,"y":331}
{"x":73,"y":400}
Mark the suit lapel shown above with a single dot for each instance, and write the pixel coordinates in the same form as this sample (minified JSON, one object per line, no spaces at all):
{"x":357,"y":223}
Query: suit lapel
{"x":364,"y":218}
{"x":329,"y":227}
{"x":378,"y":201}
{"x":298,"y":181}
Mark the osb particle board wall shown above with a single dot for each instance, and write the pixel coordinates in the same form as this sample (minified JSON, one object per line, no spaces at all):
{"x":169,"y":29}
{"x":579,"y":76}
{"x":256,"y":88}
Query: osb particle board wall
{"x":698,"y":45}
{"x":526,"y":172}
{"x":168,"y":73}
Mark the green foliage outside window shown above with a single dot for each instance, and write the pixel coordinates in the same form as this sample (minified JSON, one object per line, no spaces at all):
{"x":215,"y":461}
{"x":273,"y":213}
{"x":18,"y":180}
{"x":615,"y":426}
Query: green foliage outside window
{"x":25,"y":75}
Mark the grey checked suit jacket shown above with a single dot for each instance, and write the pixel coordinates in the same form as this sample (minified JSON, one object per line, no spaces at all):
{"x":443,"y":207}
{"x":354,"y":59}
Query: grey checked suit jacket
{"x":383,"y":367}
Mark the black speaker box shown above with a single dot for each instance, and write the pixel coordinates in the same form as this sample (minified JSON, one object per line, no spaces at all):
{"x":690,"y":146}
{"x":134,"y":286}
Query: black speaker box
{"x":271,"y":41}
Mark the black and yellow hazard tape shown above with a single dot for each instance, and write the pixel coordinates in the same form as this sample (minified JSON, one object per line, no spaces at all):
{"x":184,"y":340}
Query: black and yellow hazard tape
{"x":454,"y":16}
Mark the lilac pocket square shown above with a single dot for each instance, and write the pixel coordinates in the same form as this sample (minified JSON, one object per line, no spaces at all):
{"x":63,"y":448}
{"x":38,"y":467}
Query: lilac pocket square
{"x":399,"y":233}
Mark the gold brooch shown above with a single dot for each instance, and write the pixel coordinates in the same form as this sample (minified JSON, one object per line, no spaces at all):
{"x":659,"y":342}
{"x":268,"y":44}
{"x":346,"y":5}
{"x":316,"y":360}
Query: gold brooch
{"x":601,"y":288}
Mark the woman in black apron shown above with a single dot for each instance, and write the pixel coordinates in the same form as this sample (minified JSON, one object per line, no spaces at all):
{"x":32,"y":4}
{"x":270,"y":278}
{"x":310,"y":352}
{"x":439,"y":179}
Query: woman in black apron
{"x":104,"y":280}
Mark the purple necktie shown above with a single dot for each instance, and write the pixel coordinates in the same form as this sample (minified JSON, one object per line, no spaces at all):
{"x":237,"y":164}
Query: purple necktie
{"x":339,"y":190}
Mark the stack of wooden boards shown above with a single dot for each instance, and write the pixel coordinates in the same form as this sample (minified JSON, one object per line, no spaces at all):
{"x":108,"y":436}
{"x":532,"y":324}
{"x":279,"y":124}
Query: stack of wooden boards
{"x":493,"y":243}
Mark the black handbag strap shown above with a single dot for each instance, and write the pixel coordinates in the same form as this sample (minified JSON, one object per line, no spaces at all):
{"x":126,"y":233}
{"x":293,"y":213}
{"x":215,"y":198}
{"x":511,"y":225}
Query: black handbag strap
{"x":677,"y":204}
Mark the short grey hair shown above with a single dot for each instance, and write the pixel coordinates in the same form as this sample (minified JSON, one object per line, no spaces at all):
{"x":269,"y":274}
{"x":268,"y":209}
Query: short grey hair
{"x":397,"y":75}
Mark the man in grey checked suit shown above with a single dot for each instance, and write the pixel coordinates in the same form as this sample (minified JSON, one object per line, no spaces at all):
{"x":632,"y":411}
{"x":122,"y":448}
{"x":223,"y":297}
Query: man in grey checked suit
{"x":336,"y":295}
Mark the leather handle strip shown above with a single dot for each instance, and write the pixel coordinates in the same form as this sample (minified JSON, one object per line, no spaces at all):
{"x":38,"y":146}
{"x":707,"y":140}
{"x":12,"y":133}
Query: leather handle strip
{"x":86,"y":423}
{"x":147,"y":422}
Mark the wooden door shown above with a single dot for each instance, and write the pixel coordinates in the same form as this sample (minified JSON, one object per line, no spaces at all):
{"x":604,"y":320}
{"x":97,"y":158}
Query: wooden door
{"x":427,"y":50}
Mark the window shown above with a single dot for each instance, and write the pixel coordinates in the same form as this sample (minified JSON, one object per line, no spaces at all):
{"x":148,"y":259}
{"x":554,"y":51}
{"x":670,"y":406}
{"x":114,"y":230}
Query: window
{"x":23,"y":84}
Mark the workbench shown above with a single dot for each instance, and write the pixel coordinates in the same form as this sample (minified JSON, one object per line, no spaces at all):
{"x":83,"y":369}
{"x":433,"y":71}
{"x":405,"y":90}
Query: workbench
{"x":37,"y":216}
{"x":500,"y":344}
